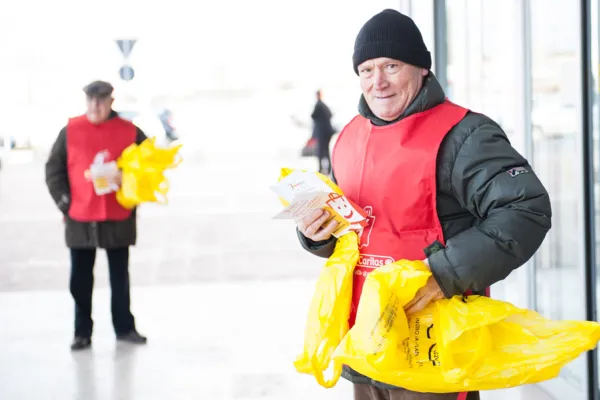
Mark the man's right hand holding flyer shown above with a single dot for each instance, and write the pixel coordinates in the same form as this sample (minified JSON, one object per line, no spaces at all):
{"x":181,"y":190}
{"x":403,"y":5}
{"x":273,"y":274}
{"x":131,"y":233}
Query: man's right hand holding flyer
{"x":314,"y":225}
{"x":317,"y":206}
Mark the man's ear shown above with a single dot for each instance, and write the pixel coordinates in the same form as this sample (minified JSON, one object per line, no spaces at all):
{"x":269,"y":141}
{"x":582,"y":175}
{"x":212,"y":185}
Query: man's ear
{"x":112,"y":100}
{"x":424,"y":72}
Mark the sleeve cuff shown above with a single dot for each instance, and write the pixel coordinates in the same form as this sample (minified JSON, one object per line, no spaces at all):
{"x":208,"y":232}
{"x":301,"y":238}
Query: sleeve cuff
{"x":443,"y":272}
{"x":64,"y":203}
{"x":322,"y":248}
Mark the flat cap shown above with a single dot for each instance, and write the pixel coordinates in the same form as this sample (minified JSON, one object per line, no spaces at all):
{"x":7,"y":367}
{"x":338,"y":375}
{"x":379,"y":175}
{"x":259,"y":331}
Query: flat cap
{"x":98,"y":89}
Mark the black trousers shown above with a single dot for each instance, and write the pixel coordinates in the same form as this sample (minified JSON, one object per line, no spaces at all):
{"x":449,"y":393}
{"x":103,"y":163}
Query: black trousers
{"x":323,"y":155}
{"x":82,"y":286}
{"x":368,"y":392}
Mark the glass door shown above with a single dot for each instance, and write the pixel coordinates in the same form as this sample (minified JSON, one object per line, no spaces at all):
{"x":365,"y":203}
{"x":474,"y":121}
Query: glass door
{"x":557,"y":146}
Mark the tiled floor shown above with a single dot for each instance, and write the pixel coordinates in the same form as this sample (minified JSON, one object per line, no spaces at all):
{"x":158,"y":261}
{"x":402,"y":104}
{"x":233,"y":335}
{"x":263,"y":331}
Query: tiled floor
{"x":217,"y":341}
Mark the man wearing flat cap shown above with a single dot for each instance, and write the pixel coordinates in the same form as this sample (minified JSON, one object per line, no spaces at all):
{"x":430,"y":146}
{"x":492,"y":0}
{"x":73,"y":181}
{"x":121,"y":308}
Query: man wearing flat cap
{"x":442,"y":184}
{"x":94,"y":219}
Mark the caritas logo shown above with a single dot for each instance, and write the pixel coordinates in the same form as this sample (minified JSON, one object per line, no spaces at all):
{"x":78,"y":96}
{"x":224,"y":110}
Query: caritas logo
{"x":369,"y":262}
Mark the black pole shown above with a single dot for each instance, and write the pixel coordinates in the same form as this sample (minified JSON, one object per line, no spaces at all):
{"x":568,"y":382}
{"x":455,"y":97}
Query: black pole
{"x":589,"y":180}
{"x":440,"y":43}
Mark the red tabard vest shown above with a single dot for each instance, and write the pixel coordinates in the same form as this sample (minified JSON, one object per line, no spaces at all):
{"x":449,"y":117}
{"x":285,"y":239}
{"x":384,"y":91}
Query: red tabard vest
{"x":84,"y":141}
{"x":390,"y":171}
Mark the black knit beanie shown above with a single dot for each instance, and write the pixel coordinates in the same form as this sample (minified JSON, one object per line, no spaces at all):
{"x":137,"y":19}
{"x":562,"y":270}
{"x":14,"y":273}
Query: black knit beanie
{"x":394,"y":35}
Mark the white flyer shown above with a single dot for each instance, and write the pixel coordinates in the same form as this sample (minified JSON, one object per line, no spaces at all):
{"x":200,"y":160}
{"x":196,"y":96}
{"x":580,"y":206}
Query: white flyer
{"x":299,"y":182}
{"x":302,"y":205}
{"x":105,"y":176}
{"x":306,"y":192}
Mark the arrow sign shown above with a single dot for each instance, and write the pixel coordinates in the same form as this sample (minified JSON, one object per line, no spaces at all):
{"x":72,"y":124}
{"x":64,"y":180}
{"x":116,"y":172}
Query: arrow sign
{"x":126,"y":45}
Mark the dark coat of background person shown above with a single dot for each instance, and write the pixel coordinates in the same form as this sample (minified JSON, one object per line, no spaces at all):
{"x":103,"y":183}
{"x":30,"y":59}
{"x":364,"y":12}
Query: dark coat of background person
{"x":322,"y":128}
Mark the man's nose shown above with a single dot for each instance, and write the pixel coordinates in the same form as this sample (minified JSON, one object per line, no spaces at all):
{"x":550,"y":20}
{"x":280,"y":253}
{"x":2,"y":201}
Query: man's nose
{"x":379,"y":78}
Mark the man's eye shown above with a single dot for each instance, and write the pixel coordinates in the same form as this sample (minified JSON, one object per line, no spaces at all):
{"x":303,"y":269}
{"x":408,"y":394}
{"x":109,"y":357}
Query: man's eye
{"x":392,"y":67}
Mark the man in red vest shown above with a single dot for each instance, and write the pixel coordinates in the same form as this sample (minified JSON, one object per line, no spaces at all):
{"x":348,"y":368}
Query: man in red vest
{"x":93,"y":217}
{"x":441,"y":183}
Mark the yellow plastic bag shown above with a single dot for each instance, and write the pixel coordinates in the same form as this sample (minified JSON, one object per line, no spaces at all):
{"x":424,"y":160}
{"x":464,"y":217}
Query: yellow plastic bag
{"x":327,"y":320}
{"x":454,"y":345}
{"x":143,"y":168}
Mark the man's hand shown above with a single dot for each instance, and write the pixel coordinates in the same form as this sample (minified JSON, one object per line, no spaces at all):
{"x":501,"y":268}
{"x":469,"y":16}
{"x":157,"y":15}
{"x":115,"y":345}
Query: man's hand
{"x":428,"y":293}
{"x":312,"y":227}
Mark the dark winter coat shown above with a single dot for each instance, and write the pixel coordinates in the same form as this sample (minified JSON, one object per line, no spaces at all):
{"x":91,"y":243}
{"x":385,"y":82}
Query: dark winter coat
{"x":322,"y":128}
{"x":84,"y":235}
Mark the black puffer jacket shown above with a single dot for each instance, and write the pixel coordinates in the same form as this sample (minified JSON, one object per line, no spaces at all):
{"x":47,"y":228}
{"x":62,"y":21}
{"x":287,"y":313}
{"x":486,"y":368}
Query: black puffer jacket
{"x":493,"y":222}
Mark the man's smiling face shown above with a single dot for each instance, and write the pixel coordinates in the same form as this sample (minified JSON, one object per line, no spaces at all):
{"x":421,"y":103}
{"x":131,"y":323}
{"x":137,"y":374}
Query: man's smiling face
{"x":389,"y":86}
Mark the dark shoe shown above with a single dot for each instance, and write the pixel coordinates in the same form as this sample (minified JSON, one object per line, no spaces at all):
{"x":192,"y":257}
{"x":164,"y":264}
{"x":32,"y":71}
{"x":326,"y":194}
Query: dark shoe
{"x":132,"y":337}
{"x":81,"y":343}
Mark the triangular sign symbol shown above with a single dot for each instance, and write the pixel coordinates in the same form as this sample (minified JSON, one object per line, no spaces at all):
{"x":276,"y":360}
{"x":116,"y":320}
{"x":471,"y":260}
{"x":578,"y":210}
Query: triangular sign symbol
{"x":126,"y":45}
